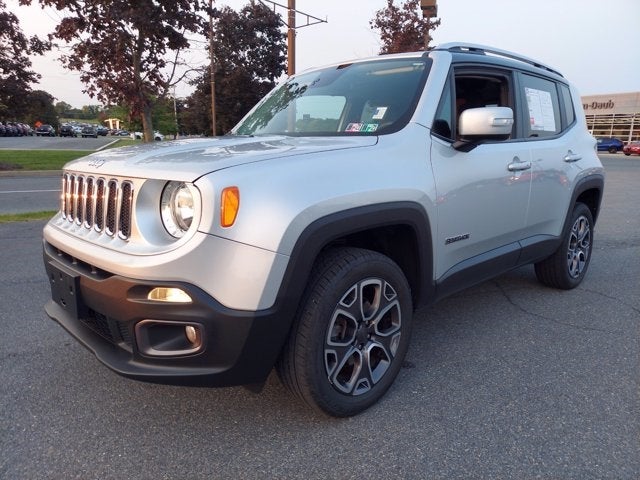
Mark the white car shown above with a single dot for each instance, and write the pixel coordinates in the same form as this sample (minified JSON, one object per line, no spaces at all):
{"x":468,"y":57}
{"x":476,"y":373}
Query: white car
{"x":157,"y":136}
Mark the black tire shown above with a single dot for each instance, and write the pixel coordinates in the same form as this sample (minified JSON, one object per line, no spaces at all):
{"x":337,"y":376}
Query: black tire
{"x":567,"y":267}
{"x":351,"y":333}
{"x":613,"y":150}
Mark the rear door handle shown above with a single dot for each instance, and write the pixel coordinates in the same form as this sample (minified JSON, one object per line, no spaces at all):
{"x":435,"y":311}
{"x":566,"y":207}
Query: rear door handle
{"x":572,"y":157}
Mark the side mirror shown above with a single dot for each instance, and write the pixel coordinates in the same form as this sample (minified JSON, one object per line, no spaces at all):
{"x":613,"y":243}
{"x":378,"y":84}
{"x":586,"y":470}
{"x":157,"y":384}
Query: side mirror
{"x":487,"y":123}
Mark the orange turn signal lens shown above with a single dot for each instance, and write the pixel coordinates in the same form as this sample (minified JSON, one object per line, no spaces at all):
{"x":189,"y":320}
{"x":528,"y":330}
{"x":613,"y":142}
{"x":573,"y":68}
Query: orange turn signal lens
{"x":229,"y":206}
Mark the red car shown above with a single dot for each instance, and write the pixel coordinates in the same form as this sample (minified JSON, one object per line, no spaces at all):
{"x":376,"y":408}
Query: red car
{"x":632,"y":147}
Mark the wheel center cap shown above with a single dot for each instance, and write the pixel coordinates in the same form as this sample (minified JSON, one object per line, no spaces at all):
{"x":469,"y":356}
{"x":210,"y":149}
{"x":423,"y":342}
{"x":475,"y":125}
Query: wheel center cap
{"x":362,"y":336}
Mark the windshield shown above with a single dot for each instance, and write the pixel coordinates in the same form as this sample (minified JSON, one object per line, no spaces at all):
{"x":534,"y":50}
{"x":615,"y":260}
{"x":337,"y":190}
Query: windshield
{"x":369,"y":98}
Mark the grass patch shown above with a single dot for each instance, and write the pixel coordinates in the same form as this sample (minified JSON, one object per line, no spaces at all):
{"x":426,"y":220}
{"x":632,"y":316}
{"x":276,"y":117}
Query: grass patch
{"x":123,"y":142}
{"x":38,"y":159}
{"x":27,"y":217}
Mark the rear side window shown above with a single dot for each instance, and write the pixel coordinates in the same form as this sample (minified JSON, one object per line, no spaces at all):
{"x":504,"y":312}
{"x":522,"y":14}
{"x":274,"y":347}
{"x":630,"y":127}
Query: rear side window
{"x":542,"y":106}
{"x":569,"y":114}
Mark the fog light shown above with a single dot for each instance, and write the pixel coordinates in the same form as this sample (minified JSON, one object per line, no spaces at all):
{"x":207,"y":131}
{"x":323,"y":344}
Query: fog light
{"x":193,"y":335}
{"x":172,"y":295}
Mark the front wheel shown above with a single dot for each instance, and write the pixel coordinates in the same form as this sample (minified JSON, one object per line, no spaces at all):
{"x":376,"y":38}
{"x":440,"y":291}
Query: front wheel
{"x":567,"y":267}
{"x":613,"y":150}
{"x":351,"y":332}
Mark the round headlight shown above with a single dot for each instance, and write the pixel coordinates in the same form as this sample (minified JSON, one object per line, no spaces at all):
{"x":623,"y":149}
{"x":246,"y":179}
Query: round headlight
{"x":177,"y":208}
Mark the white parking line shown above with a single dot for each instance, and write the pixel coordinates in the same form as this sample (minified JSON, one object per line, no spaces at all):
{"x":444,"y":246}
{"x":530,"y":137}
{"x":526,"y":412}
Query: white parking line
{"x":28,"y":191}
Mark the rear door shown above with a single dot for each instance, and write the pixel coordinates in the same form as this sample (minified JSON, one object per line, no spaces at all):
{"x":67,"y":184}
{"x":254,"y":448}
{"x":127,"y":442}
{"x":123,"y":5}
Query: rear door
{"x":558,"y":143}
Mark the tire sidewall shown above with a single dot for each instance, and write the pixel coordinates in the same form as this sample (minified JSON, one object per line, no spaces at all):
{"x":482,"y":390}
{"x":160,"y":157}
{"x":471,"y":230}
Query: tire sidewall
{"x":327,"y":397}
{"x":580,"y":210}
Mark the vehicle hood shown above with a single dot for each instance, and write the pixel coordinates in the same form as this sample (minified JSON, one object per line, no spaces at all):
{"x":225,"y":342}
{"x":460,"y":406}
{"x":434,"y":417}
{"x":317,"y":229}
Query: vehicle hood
{"x":187,"y":160}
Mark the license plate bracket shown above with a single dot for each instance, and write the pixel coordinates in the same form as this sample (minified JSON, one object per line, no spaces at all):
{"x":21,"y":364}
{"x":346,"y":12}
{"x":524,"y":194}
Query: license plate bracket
{"x":65,"y":289}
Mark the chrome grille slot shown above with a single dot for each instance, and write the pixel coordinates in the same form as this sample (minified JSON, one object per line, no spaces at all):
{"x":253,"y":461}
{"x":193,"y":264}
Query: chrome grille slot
{"x":112,"y":207}
{"x":99,"y":204}
{"x":99,"y":224}
{"x":124,"y":218}
{"x":90,"y":196}
{"x":79,"y":199}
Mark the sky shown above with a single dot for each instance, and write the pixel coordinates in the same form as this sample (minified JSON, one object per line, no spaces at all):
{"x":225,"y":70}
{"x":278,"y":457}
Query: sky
{"x":593,"y":43}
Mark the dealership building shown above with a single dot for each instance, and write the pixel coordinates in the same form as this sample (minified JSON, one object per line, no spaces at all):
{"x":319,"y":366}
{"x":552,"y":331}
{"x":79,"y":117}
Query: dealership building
{"x":613,"y":115}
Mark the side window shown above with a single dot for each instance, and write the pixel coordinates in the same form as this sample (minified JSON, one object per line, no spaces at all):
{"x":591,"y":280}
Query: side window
{"x":569,"y":112}
{"x":470,"y":88}
{"x":542,"y":107}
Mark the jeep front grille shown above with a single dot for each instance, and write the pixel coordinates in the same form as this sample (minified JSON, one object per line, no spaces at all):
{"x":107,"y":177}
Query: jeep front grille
{"x":97,"y":203}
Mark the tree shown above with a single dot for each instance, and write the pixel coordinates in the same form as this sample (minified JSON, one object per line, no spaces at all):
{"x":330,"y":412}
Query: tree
{"x":127,"y":52}
{"x":250,"y":55}
{"x":402,"y":28}
{"x":63,"y":109}
{"x":16,"y":75}
{"x":37,"y":106}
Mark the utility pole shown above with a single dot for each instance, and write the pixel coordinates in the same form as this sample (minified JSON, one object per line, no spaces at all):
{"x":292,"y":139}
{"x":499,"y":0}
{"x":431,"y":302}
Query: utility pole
{"x":213,"y":71}
{"x":291,"y":39}
{"x":175,"y":113}
{"x":291,"y":29}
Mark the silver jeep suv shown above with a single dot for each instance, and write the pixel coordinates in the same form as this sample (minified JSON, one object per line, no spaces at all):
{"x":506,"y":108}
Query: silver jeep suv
{"x":305,"y":239}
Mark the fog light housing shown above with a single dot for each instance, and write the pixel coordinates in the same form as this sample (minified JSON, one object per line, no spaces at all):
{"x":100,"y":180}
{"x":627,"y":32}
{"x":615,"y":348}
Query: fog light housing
{"x":169,"y":295}
{"x":162,"y":338}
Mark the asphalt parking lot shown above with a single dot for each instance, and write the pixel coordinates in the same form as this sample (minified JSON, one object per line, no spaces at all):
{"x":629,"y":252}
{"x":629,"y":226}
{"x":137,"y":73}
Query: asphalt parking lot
{"x":508,"y":379}
{"x":55,"y":143}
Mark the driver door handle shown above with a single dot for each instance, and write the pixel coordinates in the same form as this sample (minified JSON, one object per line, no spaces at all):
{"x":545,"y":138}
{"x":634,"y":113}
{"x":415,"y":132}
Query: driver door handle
{"x":517,"y":165}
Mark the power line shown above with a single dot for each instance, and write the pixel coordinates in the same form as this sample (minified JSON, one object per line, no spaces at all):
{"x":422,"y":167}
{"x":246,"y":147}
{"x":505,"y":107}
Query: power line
{"x":291,"y":28}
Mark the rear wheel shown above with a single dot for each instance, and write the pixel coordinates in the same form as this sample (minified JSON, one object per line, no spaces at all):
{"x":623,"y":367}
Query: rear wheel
{"x":568,"y":265}
{"x":351,"y":333}
{"x":613,"y":150}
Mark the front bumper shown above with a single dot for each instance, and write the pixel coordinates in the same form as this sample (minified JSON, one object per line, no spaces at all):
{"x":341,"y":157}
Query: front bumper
{"x":109,"y":314}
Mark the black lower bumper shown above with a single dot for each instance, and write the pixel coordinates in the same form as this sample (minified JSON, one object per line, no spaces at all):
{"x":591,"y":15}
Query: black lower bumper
{"x":104,"y":313}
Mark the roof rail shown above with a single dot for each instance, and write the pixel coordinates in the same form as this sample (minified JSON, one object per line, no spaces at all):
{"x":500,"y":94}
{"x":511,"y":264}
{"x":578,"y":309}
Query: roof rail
{"x":483,"y":50}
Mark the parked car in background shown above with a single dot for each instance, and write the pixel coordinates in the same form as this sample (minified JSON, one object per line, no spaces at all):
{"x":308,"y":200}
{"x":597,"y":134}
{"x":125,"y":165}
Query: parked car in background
{"x":45,"y":130}
{"x":102,"y":131}
{"x":611,"y":145}
{"x":12,"y":129}
{"x":67,"y":131}
{"x":631,"y":148}
{"x":157,"y":136}
{"x":89,"y":131}
{"x":16,"y":128}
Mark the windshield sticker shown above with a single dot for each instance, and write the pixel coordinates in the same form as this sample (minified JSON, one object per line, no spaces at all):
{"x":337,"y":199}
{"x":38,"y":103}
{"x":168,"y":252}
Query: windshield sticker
{"x":362,"y":127}
{"x":380,"y":113}
{"x":540,"y":110}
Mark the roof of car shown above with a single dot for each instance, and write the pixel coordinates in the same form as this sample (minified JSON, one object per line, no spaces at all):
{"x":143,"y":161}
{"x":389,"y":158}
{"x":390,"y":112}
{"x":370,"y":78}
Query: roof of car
{"x":463,"y":52}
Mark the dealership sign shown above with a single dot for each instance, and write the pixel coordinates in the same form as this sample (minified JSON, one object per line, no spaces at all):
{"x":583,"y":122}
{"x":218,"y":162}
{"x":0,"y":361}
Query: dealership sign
{"x":599,"y":105}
